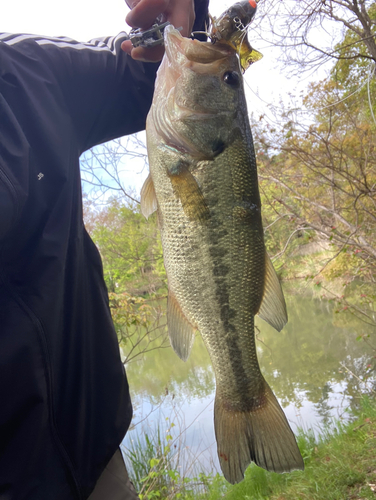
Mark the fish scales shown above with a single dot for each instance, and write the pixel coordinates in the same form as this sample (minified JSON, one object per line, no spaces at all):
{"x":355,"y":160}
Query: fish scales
{"x":203,"y":183}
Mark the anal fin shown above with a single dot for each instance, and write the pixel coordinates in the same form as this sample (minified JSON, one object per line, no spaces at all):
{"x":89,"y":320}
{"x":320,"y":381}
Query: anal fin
{"x":273,"y":306}
{"x":180,"y":330}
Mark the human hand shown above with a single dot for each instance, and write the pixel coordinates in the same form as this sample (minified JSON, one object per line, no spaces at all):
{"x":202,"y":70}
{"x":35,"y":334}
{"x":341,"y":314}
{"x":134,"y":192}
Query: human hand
{"x":180,"y":13}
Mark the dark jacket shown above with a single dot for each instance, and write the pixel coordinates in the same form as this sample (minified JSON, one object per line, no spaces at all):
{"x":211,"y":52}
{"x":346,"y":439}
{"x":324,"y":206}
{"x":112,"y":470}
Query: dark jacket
{"x":64,"y":399}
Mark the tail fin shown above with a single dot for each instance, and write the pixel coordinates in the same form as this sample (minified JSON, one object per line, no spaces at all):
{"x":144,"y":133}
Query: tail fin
{"x":262,"y":435}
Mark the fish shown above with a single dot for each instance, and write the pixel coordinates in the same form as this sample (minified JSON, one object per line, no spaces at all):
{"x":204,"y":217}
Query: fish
{"x":203,"y":185}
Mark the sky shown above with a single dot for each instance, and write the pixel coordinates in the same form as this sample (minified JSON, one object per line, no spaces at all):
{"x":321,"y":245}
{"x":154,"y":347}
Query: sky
{"x":84,"y":19}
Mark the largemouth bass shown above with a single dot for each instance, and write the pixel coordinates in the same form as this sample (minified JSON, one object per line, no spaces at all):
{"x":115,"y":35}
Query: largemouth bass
{"x":203,"y":184}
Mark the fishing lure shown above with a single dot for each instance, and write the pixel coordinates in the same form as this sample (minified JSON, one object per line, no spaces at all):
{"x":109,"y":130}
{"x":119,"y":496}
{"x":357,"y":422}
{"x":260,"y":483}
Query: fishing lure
{"x":231,"y":28}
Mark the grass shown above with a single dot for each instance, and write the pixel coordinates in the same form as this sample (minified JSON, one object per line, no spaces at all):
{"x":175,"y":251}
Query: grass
{"x":339,"y":465}
{"x":153,"y":466}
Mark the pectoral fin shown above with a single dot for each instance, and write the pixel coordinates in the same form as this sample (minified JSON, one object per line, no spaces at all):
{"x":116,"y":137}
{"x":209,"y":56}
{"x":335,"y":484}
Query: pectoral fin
{"x":189,"y":193}
{"x":148,"y":198}
{"x":273,"y":305}
{"x":180,"y":330}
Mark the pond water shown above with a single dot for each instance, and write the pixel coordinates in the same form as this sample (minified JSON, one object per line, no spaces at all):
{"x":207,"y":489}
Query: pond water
{"x":315,"y":367}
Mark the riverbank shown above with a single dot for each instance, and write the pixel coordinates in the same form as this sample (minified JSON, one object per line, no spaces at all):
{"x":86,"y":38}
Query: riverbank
{"x":340,"y":464}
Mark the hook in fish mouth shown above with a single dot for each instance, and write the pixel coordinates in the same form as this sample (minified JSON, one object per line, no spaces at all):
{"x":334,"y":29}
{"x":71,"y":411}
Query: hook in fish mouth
{"x":230,"y":29}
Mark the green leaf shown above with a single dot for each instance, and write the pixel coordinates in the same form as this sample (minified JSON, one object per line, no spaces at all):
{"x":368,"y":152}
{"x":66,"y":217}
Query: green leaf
{"x":154,"y":462}
{"x":174,"y":475}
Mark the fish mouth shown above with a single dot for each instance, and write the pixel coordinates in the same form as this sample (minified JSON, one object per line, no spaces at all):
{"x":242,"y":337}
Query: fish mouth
{"x":180,"y":50}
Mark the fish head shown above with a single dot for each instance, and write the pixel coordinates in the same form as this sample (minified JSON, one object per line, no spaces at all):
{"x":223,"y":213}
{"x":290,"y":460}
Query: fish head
{"x":198,"y":96}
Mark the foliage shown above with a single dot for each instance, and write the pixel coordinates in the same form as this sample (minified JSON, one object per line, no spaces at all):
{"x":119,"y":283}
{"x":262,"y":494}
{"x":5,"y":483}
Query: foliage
{"x":153,"y":465}
{"x":130,"y":246}
{"x":139,"y":323}
{"x":318,"y":171}
{"x":323,"y":179}
{"x":307,"y":31}
{"x":131,"y":253}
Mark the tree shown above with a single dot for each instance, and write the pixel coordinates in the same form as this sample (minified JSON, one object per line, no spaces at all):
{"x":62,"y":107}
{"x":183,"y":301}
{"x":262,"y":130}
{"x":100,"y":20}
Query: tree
{"x":308,"y":31}
{"x":133,"y":269}
{"x":129,"y":245}
{"x":324,"y":171}
{"x":318,"y":177}
{"x":325,"y":174}
{"x":106,"y":169}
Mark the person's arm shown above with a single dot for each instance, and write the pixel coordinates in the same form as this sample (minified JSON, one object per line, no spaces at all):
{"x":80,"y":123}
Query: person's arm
{"x":7,"y":205}
{"x":14,"y":157}
{"x":107,"y":92}
{"x":58,"y":94}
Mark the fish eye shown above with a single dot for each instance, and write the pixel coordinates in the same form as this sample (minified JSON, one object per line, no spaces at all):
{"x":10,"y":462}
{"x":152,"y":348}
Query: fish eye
{"x":232,"y":78}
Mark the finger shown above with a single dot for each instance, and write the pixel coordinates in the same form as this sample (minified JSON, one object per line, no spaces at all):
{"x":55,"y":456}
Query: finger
{"x":152,"y":54}
{"x":127,"y":46}
{"x":132,"y":3}
{"x":183,"y":18}
{"x":145,"y":13}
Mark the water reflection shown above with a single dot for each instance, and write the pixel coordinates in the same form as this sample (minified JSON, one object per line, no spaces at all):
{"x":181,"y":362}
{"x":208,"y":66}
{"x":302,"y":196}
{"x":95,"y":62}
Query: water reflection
{"x":314,"y":366}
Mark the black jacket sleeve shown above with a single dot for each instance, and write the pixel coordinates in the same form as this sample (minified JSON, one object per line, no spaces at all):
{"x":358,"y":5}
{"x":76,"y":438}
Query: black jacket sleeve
{"x":106,"y":92}
{"x":14,"y":158}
